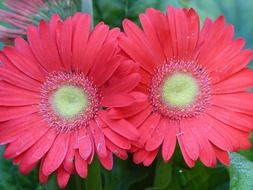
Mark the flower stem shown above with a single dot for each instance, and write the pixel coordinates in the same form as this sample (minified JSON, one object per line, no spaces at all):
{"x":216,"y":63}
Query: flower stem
{"x":52,"y":183}
{"x":87,"y":7}
{"x":79,"y":183}
{"x":93,"y":180}
{"x":163,"y":173}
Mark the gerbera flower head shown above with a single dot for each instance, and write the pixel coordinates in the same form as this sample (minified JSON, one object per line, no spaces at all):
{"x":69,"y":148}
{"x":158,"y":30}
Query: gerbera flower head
{"x":196,"y":84}
{"x":19,"y":14}
{"x":56,"y":91}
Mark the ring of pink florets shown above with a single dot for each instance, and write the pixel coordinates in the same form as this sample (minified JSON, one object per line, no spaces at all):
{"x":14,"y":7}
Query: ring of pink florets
{"x":56,"y":80}
{"x":162,"y":73}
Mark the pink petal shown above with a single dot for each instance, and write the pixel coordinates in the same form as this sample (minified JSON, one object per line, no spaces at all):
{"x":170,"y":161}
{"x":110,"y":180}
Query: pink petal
{"x":80,"y":38}
{"x":206,"y":151}
{"x":105,"y":63}
{"x":85,"y":143}
{"x":68,"y":162}
{"x":158,"y":135}
{"x":209,"y":127}
{"x":55,"y":19}
{"x":12,"y":97}
{"x":24,"y":49}
{"x":43,"y":178}
{"x":193,"y":31}
{"x":187,"y":158}
{"x":188,"y":139}
{"x":238,"y":82}
{"x":147,"y":128}
{"x":11,"y":129}
{"x":25,"y":140}
{"x":42,"y":54}
{"x":121,"y":126}
{"x":107,"y":162}
{"x":81,"y":165}
{"x":139,"y":156}
{"x":116,"y":139}
{"x":119,"y":152}
{"x":139,"y":118}
{"x":137,"y":46}
{"x":117,"y":100}
{"x":160,"y":24}
{"x":30,"y":69}
{"x":62,"y":177}
{"x":95,"y":43}
{"x":150,"y":158}
{"x":99,"y":139}
{"x":40,"y":148}
{"x":238,"y":102}
{"x":222,"y":156}
{"x":10,"y":113}
{"x":128,"y":111}
{"x":25,"y":168}
{"x":19,"y":80}
{"x":56,"y":154}
{"x":169,"y":143}
{"x":152,"y":30}
{"x":64,"y":42}
{"x":236,"y":120}
{"x":126,"y":84}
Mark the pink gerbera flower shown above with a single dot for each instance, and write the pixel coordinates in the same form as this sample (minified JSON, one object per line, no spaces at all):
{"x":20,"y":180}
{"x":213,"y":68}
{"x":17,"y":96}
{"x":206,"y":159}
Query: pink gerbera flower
{"x":196,"y":84}
{"x":19,"y":14}
{"x":55,"y":94}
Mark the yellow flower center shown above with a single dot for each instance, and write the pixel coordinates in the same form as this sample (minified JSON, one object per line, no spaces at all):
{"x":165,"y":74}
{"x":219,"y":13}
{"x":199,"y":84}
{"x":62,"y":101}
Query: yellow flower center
{"x":69,"y":101}
{"x":180,"y":90}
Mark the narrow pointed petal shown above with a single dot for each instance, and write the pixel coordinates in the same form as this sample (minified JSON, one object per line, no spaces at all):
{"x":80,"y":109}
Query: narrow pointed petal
{"x":85,"y":143}
{"x":40,"y":148}
{"x":62,"y":177}
{"x":169,"y":143}
{"x":56,"y":154}
{"x":99,"y":139}
{"x":107,"y":162}
{"x":222,"y":156}
{"x":188,"y":139}
{"x":121,"y":127}
{"x":147,"y":128}
{"x":158,"y":136}
{"x":81,"y":166}
{"x":119,"y":152}
{"x":116,"y":139}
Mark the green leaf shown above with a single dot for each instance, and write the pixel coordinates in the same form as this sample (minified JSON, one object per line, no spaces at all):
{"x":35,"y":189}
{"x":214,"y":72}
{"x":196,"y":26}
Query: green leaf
{"x":163,"y":174}
{"x":11,"y":178}
{"x":139,"y":6}
{"x":201,"y":177}
{"x":198,"y":177}
{"x":112,"y":12}
{"x":241,"y":173}
{"x":127,"y":176}
{"x":93,"y":181}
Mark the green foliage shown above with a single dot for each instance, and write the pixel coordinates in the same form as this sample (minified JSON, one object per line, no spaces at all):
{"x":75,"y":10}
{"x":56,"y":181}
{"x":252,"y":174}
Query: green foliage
{"x":127,"y":176}
{"x":11,"y":179}
{"x":241,"y":173}
{"x":64,"y":8}
{"x":113,"y":12}
{"x":179,"y":176}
